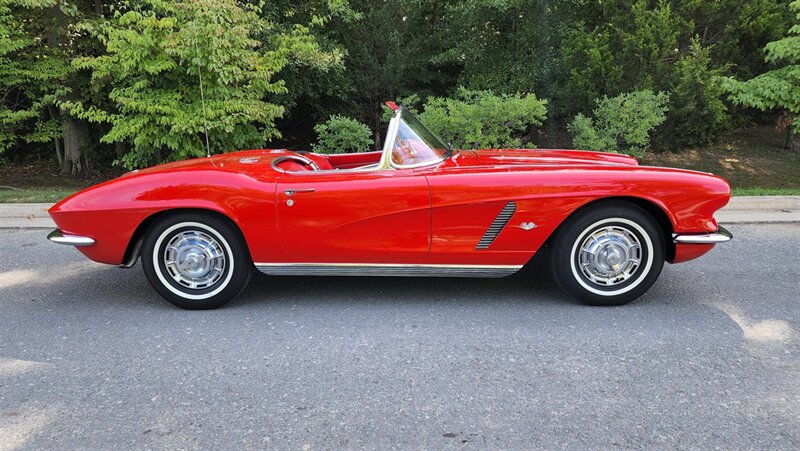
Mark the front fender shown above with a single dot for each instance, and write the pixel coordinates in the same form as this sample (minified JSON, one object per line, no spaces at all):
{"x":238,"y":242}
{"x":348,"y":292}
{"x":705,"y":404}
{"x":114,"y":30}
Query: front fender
{"x":110,"y":212}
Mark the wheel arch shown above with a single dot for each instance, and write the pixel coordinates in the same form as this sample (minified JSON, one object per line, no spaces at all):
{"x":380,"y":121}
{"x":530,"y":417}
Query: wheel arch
{"x":134,"y":247}
{"x":655,"y":210}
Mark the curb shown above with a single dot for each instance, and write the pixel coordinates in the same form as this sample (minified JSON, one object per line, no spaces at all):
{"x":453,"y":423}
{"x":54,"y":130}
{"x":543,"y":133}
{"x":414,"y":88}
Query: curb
{"x":760,"y":209}
{"x":25,"y":216}
{"x":740,"y":210}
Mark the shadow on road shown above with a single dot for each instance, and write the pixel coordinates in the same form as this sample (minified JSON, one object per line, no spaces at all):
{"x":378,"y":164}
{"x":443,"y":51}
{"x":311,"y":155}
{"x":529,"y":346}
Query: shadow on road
{"x":84,"y":283}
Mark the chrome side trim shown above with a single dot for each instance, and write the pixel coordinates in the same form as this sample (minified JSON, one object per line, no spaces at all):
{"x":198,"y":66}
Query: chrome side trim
{"x":722,"y":235}
{"x":57,"y":236}
{"x":497,"y":225}
{"x":396,"y":270}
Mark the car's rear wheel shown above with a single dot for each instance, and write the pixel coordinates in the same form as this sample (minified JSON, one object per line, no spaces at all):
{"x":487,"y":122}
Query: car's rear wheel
{"x":608,"y":254}
{"x":196,"y":261}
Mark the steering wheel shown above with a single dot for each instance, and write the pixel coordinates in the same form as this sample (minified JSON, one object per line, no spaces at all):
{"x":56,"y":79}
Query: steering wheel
{"x":302,"y":160}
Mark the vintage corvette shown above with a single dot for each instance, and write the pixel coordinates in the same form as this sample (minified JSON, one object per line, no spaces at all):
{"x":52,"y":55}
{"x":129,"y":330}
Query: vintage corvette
{"x":416,"y":208}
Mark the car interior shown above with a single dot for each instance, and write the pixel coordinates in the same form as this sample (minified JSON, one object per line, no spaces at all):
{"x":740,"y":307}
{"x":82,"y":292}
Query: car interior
{"x":408,"y":144}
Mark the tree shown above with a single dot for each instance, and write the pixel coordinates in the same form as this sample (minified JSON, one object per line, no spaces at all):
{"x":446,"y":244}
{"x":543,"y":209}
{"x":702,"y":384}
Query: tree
{"x":35,"y":75}
{"x":26,"y":76}
{"x":697,"y":112}
{"x":179,"y":70}
{"x":778,"y":88}
{"x":389,"y":54}
{"x":616,"y":46}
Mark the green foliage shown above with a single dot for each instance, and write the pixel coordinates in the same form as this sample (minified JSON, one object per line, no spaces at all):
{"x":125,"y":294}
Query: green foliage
{"x":481,"y":119}
{"x":31,"y":74}
{"x":389,"y":53}
{"x":156,"y":54}
{"x":271,"y":70}
{"x":621,"y":124}
{"x":778,"y":88}
{"x":616,"y":46}
{"x":341,"y":134}
{"x":696,"y":108}
{"x":411,"y":103}
{"x":589,"y":71}
{"x":503,"y":46}
{"x":647,"y":42}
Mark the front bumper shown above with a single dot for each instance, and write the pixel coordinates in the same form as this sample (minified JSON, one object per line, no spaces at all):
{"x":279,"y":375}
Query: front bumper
{"x":57,"y":236}
{"x":720,"y":236}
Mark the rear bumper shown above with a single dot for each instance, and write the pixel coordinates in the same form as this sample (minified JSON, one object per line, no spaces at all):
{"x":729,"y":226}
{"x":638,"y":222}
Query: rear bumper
{"x":720,"y":236}
{"x":57,"y":236}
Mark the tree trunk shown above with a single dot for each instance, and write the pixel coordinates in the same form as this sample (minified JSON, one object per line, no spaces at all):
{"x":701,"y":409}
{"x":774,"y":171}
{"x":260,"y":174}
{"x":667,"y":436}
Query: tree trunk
{"x":789,"y":144}
{"x":59,"y":152}
{"x":53,"y":111}
{"x":75,"y":131}
{"x":76,"y":141}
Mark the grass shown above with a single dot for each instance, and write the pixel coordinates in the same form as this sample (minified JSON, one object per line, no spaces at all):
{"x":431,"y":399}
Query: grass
{"x":25,"y":195}
{"x":39,"y":181}
{"x":766,"y":191}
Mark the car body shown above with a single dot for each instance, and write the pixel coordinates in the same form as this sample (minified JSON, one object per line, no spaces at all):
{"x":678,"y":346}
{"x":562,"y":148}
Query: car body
{"x":416,"y":208}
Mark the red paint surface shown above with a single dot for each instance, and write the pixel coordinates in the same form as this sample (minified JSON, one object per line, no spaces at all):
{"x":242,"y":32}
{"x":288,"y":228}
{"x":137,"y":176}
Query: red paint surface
{"x":686,"y":252}
{"x":434,"y":214}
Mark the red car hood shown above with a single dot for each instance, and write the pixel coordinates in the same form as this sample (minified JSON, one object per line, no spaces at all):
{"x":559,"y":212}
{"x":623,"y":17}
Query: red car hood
{"x":240,"y":161}
{"x":540,"y":157}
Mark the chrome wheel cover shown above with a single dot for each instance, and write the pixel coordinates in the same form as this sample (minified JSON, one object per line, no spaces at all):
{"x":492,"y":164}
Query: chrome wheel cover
{"x":610,"y":255}
{"x":194,"y":259}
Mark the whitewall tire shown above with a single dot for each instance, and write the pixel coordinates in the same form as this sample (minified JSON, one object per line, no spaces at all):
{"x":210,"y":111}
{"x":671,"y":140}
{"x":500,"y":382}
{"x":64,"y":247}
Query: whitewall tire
{"x":609,"y":253}
{"x":196,"y":260}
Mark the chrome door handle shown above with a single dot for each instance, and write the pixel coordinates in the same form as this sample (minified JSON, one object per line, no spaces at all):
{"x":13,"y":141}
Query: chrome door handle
{"x":291,"y":191}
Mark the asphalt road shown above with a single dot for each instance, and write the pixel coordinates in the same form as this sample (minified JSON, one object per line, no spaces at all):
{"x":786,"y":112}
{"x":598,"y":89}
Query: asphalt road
{"x":91,"y":357}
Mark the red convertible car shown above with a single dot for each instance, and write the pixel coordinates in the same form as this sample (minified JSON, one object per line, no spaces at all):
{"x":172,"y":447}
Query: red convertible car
{"x":416,"y":208}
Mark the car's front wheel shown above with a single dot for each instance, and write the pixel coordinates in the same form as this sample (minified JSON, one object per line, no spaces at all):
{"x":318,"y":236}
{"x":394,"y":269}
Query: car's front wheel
{"x":608,"y":254}
{"x":196,"y":261}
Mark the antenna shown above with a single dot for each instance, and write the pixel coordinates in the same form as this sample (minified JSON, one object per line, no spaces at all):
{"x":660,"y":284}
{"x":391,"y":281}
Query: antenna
{"x":203,"y":103}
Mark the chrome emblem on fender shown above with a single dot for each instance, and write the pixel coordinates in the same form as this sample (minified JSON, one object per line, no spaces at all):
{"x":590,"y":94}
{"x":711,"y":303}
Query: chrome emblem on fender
{"x":527,"y":226}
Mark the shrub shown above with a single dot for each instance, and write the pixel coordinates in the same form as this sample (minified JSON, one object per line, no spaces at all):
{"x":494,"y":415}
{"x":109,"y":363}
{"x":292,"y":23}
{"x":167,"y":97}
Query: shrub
{"x":340,"y":134}
{"x":621,"y":124}
{"x":481,"y":119}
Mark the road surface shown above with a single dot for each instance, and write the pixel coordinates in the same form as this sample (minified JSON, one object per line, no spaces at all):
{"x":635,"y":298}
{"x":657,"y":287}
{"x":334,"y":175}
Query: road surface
{"x":91,"y":357}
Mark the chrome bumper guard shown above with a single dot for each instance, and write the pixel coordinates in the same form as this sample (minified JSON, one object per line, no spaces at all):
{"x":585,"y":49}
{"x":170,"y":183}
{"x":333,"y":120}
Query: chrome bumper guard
{"x":722,"y":235}
{"x":57,"y":236}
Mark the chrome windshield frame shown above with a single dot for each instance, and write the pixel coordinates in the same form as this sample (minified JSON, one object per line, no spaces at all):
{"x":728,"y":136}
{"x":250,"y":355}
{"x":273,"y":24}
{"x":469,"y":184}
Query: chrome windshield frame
{"x":391,"y":136}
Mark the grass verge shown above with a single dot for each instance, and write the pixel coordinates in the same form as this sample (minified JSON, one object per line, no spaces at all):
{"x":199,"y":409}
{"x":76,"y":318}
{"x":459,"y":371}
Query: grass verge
{"x":25,"y":195}
{"x":766,"y":191}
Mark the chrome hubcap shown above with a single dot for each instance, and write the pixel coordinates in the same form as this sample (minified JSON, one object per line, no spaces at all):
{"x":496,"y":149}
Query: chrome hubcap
{"x":610,"y":255}
{"x":194,"y":259}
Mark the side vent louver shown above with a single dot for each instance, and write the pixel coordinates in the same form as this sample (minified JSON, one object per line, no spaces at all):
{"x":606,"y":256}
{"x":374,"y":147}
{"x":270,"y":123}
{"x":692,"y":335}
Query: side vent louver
{"x":497,"y":225}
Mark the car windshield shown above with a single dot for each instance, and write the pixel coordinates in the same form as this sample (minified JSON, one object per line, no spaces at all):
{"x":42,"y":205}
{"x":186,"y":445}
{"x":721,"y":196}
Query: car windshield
{"x":412,"y":143}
